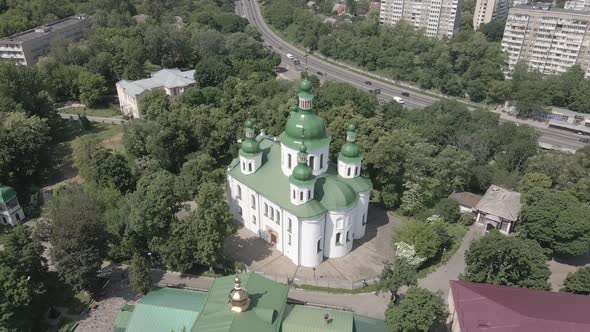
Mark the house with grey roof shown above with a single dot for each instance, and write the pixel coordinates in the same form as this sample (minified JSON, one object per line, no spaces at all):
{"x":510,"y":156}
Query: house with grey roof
{"x":498,"y":209}
{"x":173,"y":81}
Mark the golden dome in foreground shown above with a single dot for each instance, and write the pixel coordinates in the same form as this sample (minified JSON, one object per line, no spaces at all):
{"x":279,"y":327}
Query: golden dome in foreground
{"x":238,"y":297}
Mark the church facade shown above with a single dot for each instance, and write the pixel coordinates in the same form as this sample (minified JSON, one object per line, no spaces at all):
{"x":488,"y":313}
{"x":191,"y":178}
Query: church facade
{"x":286,"y":189}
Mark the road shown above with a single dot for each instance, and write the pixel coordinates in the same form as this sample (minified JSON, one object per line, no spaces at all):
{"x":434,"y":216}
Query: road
{"x":553,"y":138}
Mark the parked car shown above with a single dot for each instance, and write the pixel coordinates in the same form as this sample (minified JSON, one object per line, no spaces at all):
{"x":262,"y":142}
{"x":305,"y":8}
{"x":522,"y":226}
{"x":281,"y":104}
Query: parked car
{"x":368,"y":83}
{"x":320,"y":73}
{"x":296,"y":62}
{"x":290,"y":56}
{"x":585,"y":140}
{"x":398,"y":100}
{"x":405,"y":94}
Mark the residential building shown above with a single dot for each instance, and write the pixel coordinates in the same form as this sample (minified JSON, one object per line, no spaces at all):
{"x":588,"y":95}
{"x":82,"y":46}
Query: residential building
{"x":475,"y":307}
{"x":25,"y":48}
{"x":245,"y":303}
{"x":173,"y":81}
{"x":438,"y":18}
{"x":498,"y":209}
{"x":287,"y":191}
{"x":583,"y":5}
{"x":548,"y":40}
{"x":10,"y":211}
{"x":489,"y":10}
{"x":467,"y":201}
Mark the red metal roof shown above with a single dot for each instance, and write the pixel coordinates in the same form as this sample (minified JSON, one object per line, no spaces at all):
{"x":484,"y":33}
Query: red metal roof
{"x":481,"y":307}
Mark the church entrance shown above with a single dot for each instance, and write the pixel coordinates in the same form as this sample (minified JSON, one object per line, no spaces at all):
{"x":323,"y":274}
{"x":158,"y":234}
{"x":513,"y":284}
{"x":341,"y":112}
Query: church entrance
{"x":273,"y":238}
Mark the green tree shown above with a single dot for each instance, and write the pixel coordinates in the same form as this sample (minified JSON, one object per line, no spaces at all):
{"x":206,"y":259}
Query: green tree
{"x":92,"y":88}
{"x":16,"y":300}
{"x":534,"y":180}
{"x":199,"y":170}
{"x":112,"y":169}
{"x":139,"y":274}
{"x":578,"y":282}
{"x":418,"y":310}
{"x":154,"y":104}
{"x":212,"y":72}
{"x":509,"y":261}
{"x":494,"y":31}
{"x":422,"y":235}
{"x":448,"y":209}
{"x":394,"y":276}
{"x":213,"y":223}
{"x":78,"y":237}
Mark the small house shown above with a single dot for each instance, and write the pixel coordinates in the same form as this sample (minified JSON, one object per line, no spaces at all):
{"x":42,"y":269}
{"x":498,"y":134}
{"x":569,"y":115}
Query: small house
{"x":467,"y":201}
{"x":498,"y":209}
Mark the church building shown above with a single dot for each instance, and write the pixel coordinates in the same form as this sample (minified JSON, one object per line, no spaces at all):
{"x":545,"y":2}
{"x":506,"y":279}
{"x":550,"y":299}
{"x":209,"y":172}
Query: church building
{"x":286,"y":189}
{"x":11,"y":212}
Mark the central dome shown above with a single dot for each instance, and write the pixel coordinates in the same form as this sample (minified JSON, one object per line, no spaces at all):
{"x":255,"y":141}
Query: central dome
{"x":305,"y":124}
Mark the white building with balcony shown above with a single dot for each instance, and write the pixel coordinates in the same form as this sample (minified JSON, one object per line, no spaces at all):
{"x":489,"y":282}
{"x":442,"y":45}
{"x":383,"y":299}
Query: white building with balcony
{"x":25,"y":48}
{"x":548,"y":40}
{"x":287,"y":191}
{"x":438,"y":18}
{"x":173,"y":81}
{"x":10,"y":211}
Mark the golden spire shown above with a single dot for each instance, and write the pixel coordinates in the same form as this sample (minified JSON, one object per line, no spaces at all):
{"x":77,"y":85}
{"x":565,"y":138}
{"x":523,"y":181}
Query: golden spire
{"x":238,"y":297}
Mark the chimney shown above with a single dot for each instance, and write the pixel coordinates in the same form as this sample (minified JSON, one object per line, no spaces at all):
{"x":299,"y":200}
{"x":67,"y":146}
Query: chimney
{"x":326,"y":319}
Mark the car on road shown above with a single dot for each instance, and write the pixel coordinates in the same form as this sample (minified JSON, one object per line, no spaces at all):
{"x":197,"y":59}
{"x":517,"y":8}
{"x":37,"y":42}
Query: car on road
{"x":405,"y":94}
{"x":290,"y":56}
{"x":398,"y":100}
{"x":585,"y":140}
{"x":368,"y":83}
{"x":320,"y":73}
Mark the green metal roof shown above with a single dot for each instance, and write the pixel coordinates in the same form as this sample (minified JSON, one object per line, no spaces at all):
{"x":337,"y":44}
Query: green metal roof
{"x":166,"y":309}
{"x":366,"y":324}
{"x":268,"y":300}
{"x":332,"y":192}
{"x":6,"y":193}
{"x":310,"y":319}
{"x":122,"y":321}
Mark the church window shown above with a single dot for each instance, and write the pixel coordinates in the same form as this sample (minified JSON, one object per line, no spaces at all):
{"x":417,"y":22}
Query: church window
{"x":358,"y":171}
{"x":348,"y":171}
{"x":348,"y":236}
{"x":289,"y":239}
{"x":271,"y":213}
{"x":364,"y":219}
{"x":240,"y":210}
{"x":339,"y":224}
{"x":290,"y":225}
{"x":249,"y":167}
{"x":339,"y":239}
{"x":311,"y":162}
{"x":239,"y":192}
{"x":289,"y":160}
{"x":321,"y":161}
{"x":309,"y":194}
{"x":243,"y":166}
{"x":294,"y":195}
{"x":254,"y":220}
{"x":253,"y":199}
{"x":301,"y":195}
{"x":278,"y":221}
{"x":319,"y":245}
{"x":265,"y":210}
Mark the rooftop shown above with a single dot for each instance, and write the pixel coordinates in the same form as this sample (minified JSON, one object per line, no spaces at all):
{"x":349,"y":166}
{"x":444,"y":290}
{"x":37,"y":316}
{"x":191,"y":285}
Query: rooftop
{"x":310,"y":319}
{"x":6,"y":193}
{"x":39,"y":31}
{"x":168,"y":78}
{"x":270,"y":181}
{"x":506,"y":309}
{"x":500,"y":202}
{"x":540,"y":8}
{"x":464,"y":198}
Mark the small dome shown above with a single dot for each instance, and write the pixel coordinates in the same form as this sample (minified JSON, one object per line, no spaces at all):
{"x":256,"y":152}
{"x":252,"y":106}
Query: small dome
{"x":335,"y":194}
{"x":306,"y":85}
{"x":303,"y":149}
{"x":249,"y":124}
{"x":350,"y":150}
{"x":6,"y":193}
{"x":250,"y":145}
{"x":302,"y":172}
{"x":351,"y":127}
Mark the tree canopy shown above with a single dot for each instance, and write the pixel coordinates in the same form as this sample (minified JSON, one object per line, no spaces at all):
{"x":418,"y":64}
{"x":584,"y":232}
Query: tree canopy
{"x":418,"y":310}
{"x":578,"y":282}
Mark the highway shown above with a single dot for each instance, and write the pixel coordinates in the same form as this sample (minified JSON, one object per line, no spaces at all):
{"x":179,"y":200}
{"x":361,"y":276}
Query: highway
{"x":550,"y":137}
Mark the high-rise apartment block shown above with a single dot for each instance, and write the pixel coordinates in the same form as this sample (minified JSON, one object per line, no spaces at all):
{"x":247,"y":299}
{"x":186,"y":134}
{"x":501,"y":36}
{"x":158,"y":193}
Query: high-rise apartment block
{"x":577,"y":5}
{"x":438,"y":18}
{"x":25,"y":48}
{"x":490,"y":10}
{"x":548,"y":40}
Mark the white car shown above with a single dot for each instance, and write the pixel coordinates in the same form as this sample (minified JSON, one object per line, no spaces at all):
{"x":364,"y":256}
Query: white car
{"x":290,"y":56}
{"x":399,"y":100}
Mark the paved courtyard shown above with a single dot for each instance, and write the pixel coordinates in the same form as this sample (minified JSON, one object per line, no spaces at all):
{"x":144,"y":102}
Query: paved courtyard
{"x":364,"y":262}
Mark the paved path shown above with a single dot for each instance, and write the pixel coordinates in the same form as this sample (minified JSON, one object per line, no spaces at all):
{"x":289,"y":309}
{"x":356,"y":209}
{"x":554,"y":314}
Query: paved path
{"x":439,"y":279}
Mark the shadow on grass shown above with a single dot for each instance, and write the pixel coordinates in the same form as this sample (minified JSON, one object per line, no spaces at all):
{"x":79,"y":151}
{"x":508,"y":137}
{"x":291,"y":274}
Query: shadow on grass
{"x":61,"y":295}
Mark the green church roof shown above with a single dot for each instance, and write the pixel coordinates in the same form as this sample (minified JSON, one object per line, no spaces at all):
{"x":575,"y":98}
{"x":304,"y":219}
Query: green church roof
{"x":332,"y":192}
{"x":6,"y":193}
{"x":166,"y":309}
{"x":268,"y":300}
{"x":310,"y":319}
{"x":249,"y":145}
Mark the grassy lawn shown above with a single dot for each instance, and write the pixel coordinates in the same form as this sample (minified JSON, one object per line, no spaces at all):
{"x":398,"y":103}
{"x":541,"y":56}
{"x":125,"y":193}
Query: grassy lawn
{"x":367,"y":289}
{"x":105,"y":111}
{"x":397,"y":215}
{"x":457,"y":231}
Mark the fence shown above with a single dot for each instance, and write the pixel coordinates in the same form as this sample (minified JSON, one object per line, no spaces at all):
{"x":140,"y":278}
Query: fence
{"x":96,"y":119}
{"x":320,"y":282}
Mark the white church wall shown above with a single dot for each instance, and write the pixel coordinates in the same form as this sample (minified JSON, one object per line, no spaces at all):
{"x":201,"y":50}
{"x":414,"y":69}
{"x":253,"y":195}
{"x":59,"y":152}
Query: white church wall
{"x":312,"y":231}
{"x":338,"y":235}
{"x":285,"y":153}
{"x":362,"y":215}
{"x":271,"y":216}
{"x":320,"y":164}
{"x":245,"y":205}
{"x":291,"y":237}
{"x":349,"y":170}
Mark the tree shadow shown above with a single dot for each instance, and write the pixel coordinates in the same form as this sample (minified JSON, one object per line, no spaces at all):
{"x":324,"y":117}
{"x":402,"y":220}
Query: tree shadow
{"x":246,"y":250}
{"x":377,"y":218}
{"x":574,"y":261}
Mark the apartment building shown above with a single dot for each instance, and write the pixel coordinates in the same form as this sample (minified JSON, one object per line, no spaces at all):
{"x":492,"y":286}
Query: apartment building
{"x":550,"y":40}
{"x":489,"y":10}
{"x":438,"y":18}
{"x":577,"y":5}
{"x":25,"y":48}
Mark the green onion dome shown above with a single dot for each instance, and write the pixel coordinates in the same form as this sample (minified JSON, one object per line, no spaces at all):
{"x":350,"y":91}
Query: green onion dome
{"x":302,"y":172}
{"x":249,"y":145}
{"x":350,"y":149}
{"x":305,"y":85}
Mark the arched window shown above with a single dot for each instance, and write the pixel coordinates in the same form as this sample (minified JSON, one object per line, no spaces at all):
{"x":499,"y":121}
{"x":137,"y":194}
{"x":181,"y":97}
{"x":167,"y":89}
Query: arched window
{"x":319,"y":245}
{"x":338,"y":239}
{"x":289,"y":225}
{"x":348,"y":171}
{"x":240,"y":210}
{"x":301,"y":195}
{"x":308,"y":194}
{"x":278,"y":221}
{"x":253,"y":199}
{"x":239,"y":192}
{"x":249,"y":167}
{"x":243,"y":166}
{"x":266,"y":209}
{"x":289,"y":160}
{"x":311,"y":162}
{"x":348,"y":236}
{"x":364,"y":219}
{"x":321,"y":161}
{"x":271,"y":212}
{"x":254,"y":220}
{"x":358,"y":171}
{"x":294,"y":195}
